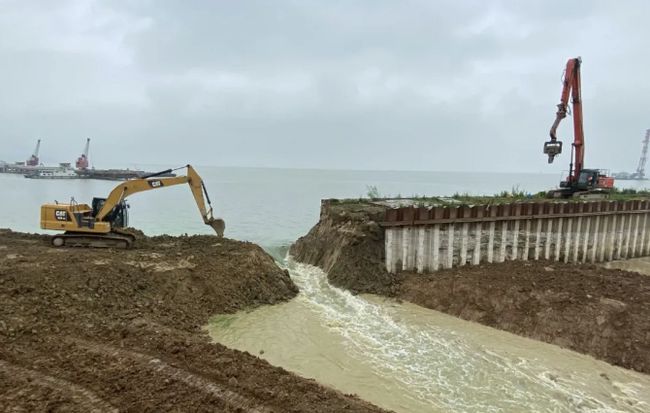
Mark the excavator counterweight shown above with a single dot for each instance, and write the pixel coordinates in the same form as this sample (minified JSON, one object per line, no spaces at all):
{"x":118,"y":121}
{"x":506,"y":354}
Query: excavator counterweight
{"x":103,"y":223}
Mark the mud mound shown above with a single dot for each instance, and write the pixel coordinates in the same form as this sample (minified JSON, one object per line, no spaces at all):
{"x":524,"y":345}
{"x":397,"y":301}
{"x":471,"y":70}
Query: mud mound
{"x":348,"y":244}
{"x":590,"y":309}
{"x":109,"y":330}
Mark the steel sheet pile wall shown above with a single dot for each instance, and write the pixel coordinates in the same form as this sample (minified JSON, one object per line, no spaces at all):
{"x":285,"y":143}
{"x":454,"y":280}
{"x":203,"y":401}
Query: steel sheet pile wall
{"x":427,"y":239}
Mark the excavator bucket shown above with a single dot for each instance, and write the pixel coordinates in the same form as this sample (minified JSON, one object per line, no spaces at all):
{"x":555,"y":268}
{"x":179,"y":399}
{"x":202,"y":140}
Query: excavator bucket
{"x":218,"y":225}
{"x":552,"y":148}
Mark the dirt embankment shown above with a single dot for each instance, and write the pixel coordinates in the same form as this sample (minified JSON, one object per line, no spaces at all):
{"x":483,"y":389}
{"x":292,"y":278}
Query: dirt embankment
{"x":601,"y":312}
{"x":348,"y":244}
{"x":589,"y":309}
{"x":108,"y":330}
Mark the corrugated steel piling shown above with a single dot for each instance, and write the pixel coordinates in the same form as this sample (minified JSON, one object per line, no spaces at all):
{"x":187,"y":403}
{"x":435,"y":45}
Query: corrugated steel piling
{"x":426,"y":239}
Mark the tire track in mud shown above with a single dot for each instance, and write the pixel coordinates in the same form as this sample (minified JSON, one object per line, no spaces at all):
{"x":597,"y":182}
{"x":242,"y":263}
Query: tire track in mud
{"x":156,"y":357}
{"x":146,"y":362}
{"x":83,"y":399}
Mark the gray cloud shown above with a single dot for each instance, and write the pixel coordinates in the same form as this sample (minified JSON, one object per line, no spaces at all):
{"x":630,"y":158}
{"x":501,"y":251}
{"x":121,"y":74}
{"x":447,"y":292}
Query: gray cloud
{"x":373,"y":85}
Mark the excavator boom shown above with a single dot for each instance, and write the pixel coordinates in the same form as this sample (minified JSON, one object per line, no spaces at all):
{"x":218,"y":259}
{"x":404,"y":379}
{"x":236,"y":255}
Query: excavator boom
{"x":104,"y":220}
{"x":571,"y":86}
{"x":580,"y":180}
{"x":130,"y":187}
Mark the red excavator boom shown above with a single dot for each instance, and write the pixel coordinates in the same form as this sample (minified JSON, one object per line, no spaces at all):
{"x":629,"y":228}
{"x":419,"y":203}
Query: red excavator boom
{"x":579,"y":179}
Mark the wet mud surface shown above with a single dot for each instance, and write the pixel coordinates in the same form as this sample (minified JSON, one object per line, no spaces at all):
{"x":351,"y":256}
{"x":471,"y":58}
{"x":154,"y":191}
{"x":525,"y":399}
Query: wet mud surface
{"x":114,"y":330}
{"x":590,"y":309}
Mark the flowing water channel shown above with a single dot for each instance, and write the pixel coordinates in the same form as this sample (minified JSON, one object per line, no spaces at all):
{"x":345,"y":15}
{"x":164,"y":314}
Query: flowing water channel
{"x":410,"y":359}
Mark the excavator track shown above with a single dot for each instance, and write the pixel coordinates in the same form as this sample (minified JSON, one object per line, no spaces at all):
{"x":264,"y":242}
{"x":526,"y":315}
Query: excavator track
{"x":87,"y":240}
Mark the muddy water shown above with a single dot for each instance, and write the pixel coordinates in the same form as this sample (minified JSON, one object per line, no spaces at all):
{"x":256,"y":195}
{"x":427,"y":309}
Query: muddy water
{"x":640,"y":265}
{"x":410,"y":359}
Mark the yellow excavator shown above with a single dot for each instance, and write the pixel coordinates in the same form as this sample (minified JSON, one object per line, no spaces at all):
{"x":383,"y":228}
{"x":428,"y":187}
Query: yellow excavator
{"x":103,"y":223}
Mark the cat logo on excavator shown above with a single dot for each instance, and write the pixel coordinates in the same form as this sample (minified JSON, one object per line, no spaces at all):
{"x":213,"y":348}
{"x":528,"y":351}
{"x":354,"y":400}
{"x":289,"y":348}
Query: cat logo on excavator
{"x":103,"y":223}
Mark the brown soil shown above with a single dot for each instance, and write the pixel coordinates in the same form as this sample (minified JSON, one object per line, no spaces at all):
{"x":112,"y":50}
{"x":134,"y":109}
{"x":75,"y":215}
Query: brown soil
{"x":601,"y":312}
{"x":348,"y":244}
{"x":589,"y":309}
{"x":108,"y":330}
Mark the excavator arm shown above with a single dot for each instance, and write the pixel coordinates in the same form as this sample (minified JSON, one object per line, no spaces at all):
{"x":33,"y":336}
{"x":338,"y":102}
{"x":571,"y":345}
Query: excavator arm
{"x":571,"y":86}
{"x":150,"y":182}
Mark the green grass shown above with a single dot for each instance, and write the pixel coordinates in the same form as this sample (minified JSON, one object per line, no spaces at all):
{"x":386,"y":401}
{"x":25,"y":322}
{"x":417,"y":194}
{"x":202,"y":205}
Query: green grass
{"x":628,"y":194}
{"x":463,"y":199}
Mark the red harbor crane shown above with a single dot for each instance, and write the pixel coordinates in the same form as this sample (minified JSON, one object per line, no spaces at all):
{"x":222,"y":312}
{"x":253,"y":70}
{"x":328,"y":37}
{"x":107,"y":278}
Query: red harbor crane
{"x":33,"y":160}
{"x":82,"y":162}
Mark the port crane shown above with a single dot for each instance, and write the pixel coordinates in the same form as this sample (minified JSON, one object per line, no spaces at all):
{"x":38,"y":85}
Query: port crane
{"x":580,"y":181}
{"x":33,"y":160}
{"x":640,"y":169}
{"x":82,"y":162}
{"x":639,"y":174}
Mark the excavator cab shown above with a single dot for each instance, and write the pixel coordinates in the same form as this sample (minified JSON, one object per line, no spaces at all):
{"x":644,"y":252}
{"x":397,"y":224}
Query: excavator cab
{"x":103,"y":223}
{"x":589,"y":184}
{"x":118,"y":217}
{"x":588,"y":179}
{"x":552,"y":148}
{"x":595,"y":179}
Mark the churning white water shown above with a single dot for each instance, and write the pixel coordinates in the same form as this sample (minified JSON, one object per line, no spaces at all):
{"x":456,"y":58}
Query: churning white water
{"x":410,"y":359}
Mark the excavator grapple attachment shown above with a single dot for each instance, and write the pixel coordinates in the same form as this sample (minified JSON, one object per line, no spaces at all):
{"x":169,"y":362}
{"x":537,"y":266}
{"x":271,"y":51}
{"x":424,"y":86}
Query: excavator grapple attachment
{"x":552,"y":148}
{"x":218,"y":225}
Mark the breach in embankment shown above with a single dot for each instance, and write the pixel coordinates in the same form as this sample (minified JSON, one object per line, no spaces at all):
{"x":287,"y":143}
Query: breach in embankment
{"x":527,"y":268}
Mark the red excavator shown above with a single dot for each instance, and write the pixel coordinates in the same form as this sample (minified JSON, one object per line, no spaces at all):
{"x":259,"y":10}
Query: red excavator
{"x":580,"y":182}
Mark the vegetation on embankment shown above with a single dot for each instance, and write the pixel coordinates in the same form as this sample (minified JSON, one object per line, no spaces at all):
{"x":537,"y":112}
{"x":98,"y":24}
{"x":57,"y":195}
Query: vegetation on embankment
{"x":589,"y":309}
{"x":121,"y":330}
{"x":504,"y":197}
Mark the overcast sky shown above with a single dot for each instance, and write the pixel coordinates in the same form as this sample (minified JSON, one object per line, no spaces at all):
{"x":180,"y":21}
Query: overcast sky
{"x":414,"y":85}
